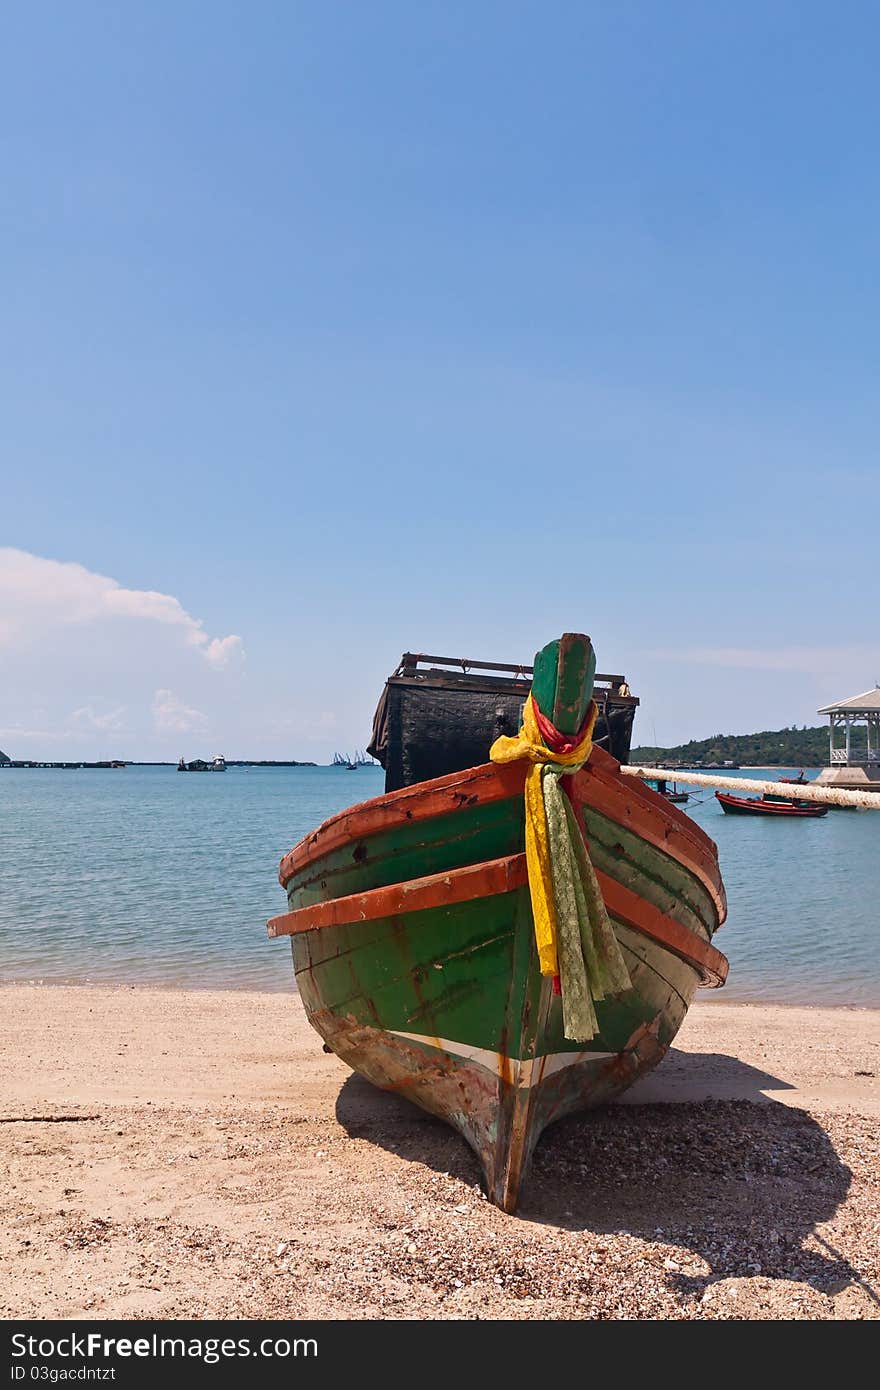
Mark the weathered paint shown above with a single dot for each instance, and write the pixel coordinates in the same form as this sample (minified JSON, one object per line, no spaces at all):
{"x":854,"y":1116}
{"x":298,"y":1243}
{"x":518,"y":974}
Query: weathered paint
{"x":484,"y":832}
{"x":562,"y":680}
{"x":600,"y":786}
{"x":402,"y":814}
{"x":513,"y":1009}
{"x":655,"y":876}
{"x":416,"y":897}
{"x":414,"y":945}
{"x":412,"y":895}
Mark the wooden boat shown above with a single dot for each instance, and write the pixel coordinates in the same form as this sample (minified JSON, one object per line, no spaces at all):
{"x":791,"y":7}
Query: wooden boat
{"x":671,"y":791}
{"x":768,"y":805}
{"x":413,"y":924}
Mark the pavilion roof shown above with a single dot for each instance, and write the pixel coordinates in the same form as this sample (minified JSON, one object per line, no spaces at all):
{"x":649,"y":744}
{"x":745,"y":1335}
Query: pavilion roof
{"x":868,"y":703}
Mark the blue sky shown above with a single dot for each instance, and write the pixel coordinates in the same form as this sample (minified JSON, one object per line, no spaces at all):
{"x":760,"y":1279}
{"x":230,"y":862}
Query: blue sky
{"x":342,"y":330}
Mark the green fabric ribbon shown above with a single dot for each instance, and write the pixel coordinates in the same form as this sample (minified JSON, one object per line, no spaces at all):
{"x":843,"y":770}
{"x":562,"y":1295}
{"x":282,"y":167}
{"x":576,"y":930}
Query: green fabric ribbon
{"x":591,"y":965}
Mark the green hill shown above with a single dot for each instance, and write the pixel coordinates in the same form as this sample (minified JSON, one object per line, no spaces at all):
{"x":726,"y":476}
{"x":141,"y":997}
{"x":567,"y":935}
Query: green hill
{"x":772,"y":748}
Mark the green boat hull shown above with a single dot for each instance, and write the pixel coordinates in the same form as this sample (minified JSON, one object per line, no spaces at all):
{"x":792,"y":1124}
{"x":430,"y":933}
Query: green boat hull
{"x":445,"y":1003}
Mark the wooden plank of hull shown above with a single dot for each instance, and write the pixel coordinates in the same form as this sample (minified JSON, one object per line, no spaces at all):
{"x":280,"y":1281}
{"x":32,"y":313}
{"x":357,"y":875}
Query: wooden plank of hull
{"x":598,"y":786}
{"x":413,"y":895}
{"x":501,"y":1121}
{"x":506,"y":1071}
{"x":483,"y":832}
{"x":414,"y":949}
{"x":655,"y":876}
{"x":485,"y":881}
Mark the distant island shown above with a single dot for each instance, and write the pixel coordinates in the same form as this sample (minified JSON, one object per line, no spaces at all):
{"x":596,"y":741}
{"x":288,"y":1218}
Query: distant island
{"x":6,"y":761}
{"x":773,"y":748}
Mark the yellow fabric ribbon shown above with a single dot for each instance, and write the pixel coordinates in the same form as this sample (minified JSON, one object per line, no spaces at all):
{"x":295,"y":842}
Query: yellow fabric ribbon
{"x":529,"y":745}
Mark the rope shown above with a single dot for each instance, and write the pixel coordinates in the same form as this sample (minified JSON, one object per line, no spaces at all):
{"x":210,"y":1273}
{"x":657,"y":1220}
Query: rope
{"x":796,"y":791}
{"x":575,"y":938}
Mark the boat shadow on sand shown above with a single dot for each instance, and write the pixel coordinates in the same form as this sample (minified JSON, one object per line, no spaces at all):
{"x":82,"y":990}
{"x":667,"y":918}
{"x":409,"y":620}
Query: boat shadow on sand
{"x":737,"y":1178}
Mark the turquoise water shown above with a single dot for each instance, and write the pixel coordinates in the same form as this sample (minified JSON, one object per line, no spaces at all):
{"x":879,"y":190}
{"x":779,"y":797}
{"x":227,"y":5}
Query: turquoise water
{"x":146,"y":876}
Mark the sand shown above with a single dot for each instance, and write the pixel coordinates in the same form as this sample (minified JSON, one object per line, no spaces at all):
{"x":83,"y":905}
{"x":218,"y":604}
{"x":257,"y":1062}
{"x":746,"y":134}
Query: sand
{"x":196,"y":1154}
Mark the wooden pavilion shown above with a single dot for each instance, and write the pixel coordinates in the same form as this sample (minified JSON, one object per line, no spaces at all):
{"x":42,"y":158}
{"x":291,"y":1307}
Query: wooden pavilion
{"x":857,"y":762}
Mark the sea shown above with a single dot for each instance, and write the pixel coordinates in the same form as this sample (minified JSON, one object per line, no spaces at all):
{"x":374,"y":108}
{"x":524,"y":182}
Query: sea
{"x":144,"y":876}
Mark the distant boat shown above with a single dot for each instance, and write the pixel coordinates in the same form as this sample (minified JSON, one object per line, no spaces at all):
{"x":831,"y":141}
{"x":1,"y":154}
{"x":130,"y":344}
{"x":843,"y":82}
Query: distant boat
{"x":672,"y":793}
{"x":362,"y":759}
{"x":352,"y":761}
{"x":768,"y":805}
{"x":217,"y":764}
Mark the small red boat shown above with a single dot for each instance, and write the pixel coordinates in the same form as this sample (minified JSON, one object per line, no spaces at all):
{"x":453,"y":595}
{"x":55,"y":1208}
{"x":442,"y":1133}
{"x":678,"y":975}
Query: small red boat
{"x":768,"y":805}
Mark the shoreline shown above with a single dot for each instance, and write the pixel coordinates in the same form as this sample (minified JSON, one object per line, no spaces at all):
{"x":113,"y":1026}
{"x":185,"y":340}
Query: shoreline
{"x":705,"y":997}
{"x":199,"y":1155}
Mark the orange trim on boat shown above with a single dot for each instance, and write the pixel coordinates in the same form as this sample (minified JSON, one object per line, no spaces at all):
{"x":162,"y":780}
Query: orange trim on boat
{"x":598,"y":785}
{"x":439,"y":797}
{"x":486,"y":880}
{"x":602,"y":789}
{"x":434,"y":890}
{"x":626,"y":906}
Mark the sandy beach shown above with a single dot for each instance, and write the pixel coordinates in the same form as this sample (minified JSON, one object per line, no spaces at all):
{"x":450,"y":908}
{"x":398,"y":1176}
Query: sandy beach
{"x":188,"y":1154}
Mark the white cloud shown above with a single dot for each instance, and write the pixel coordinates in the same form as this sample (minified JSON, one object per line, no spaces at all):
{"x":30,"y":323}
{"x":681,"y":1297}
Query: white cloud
{"x":107,"y":721}
{"x":220,"y":650}
{"x":37,"y":595}
{"x":82,"y":659}
{"x":171,"y":715}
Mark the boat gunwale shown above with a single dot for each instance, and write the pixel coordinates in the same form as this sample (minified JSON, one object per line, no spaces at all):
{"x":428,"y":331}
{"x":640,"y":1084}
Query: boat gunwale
{"x":488,"y":879}
{"x":489,"y":782}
